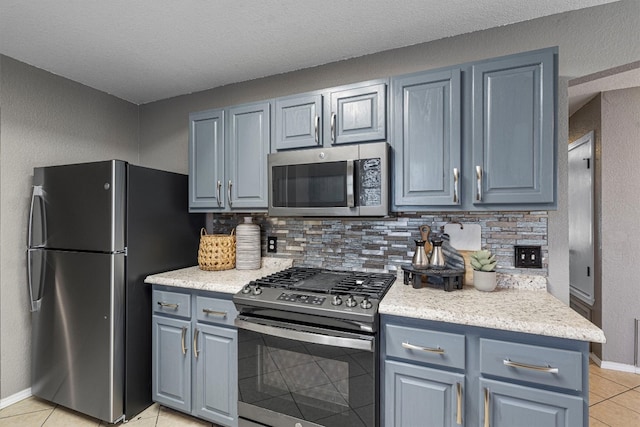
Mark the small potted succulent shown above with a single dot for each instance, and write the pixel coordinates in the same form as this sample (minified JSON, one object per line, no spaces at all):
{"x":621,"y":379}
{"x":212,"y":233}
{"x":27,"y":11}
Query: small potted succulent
{"x":484,"y":270}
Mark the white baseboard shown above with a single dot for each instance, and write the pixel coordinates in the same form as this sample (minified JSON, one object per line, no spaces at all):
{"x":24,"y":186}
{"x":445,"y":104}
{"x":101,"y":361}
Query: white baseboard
{"x":15,"y":398}
{"x":615,"y":366}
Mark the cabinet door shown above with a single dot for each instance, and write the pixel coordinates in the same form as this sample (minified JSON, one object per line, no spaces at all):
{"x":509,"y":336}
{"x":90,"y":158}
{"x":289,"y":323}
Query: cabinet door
{"x":297,"y":122}
{"x":216,"y":374}
{"x":419,"y":396}
{"x":357,"y":115}
{"x":426,"y":138}
{"x":206,"y":160}
{"x":171,"y":363}
{"x":248,"y":131}
{"x":509,"y":405}
{"x":514,"y":142}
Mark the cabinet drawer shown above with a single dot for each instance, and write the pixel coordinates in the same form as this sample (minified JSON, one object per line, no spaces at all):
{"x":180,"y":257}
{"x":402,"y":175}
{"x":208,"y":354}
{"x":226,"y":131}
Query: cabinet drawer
{"x":214,"y":310}
{"x":540,"y":365}
{"x":439,"y":348}
{"x":173,"y":303}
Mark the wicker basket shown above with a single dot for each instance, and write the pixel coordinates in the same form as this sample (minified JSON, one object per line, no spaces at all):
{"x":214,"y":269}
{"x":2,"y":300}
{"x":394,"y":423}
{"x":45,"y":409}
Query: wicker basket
{"x":217,"y":251}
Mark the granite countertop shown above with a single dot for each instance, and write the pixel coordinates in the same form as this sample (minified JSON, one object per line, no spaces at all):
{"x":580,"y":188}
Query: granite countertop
{"x":528,"y":310}
{"x":519,"y":304}
{"x":225,"y":281}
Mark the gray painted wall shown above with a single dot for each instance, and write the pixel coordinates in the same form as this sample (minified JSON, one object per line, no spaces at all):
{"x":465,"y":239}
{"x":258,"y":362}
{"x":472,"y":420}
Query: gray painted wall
{"x":44,"y":120}
{"x":620,"y":225}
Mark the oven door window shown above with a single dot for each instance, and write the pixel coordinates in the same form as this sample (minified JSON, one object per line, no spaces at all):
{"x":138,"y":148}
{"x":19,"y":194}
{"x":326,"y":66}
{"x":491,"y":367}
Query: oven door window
{"x":314,"y":185}
{"x":326,"y":385}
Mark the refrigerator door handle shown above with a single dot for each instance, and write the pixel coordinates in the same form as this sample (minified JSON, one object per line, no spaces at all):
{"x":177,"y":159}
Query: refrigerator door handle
{"x":35,"y":295}
{"x":37,"y":195}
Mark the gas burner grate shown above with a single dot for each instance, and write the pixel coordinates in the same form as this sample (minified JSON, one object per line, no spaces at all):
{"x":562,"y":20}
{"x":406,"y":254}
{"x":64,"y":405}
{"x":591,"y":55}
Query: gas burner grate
{"x":373,"y":285}
{"x":286,"y":278}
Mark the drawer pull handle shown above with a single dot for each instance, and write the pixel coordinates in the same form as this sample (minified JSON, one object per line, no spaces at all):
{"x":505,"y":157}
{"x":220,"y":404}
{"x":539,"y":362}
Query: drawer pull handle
{"x":547,"y":368}
{"x":195,"y":343}
{"x":459,"y":404}
{"x":168,"y":305}
{"x":182,"y":339}
{"x":210,"y":312}
{"x":437,"y":350}
{"x":486,"y":407}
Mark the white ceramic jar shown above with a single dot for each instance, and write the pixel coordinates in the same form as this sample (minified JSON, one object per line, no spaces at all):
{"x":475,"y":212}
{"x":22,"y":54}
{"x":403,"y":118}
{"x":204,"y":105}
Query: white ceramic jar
{"x":247,"y":245}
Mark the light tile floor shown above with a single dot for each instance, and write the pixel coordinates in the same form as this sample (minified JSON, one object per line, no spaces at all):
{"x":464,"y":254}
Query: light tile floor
{"x":614,"y":401}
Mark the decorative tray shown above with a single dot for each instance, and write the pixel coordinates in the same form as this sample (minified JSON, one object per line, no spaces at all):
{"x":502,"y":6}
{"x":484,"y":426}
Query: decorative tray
{"x":445,"y":278}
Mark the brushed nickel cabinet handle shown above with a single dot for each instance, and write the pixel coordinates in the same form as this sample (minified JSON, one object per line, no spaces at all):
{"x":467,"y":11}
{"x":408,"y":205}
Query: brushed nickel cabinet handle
{"x":436,"y":350}
{"x":218,"y":186}
{"x":486,"y":407}
{"x":459,"y":403}
{"x":547,"y":368}
{"x":195,"y":343}
{"x":183,"y":338}
{"x":210,"y":312}
{"x":456,"y":186}
{"x":333,"y":127}
{"x":479,"y":183}
{"x":317,"y":129}
{"x":168,"y":305}
{"x":229,"y":193}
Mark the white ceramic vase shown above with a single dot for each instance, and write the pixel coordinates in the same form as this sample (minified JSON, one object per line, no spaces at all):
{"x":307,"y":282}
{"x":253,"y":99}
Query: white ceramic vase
{"x":247,"y":245}
{"x":484,"y":280}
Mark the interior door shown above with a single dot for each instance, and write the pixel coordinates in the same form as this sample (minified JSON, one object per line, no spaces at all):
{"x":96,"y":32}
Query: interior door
{"x":581,"y":251}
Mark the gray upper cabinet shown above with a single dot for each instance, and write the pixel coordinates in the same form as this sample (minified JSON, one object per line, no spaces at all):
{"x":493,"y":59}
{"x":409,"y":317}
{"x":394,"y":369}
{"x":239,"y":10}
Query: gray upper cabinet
{"x":206,"y":160}
{"x":248,"y":129}
{"x":358,"y":114}
{"x":297,"y":122}
{"x":342,"y":115}
{"x":426,"y":132}
{"x":228,"y":158}
{"x":513,"y":134}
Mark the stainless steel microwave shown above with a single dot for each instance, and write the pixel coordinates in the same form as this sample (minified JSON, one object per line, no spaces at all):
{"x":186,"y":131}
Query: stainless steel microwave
{"x":350,"y":180}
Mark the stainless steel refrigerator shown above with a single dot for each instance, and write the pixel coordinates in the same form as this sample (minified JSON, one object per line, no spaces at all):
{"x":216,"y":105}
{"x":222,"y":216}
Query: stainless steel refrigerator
{"x":96,"y":230}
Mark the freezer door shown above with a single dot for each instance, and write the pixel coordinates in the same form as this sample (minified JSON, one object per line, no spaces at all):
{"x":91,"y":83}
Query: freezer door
{"x":79,"y":207}
{"x":78,"y":332}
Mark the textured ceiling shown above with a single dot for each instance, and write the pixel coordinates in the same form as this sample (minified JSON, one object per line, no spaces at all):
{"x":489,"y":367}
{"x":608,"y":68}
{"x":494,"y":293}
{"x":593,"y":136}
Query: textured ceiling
{"x":146,"y":50}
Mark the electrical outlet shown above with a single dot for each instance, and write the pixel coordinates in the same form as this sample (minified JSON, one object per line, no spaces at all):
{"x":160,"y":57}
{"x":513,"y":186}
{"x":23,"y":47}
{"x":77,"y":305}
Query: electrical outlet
{"x":528,"y":257}
{"x":272,"y":244}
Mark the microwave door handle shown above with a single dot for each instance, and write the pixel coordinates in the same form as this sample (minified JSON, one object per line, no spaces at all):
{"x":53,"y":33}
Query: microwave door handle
{"x":350,"y":191}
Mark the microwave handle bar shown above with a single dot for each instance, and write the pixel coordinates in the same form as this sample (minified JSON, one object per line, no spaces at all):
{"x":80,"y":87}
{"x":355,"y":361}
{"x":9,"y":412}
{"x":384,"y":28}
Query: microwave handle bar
{"x":350,"y":193}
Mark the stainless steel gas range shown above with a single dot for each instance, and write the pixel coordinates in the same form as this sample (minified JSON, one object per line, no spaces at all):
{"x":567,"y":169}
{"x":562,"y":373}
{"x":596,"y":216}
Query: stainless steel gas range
{"x":308,"y":348}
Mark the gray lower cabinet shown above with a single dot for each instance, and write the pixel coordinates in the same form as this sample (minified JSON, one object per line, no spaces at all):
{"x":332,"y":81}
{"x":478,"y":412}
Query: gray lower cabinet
{"x":349,"y":114}
{"x":442,"y":374}
{"x":420,"y":396}
{"x":508,"y":405}
{"x":195,"y":353}
{"x":228,"y":158}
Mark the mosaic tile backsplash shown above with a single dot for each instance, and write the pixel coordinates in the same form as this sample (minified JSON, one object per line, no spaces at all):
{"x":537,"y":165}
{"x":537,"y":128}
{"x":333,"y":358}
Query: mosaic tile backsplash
{"x":385,"y":244}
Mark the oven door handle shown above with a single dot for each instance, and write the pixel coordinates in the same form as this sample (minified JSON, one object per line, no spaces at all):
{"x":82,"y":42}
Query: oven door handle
{"x":310,"y":337}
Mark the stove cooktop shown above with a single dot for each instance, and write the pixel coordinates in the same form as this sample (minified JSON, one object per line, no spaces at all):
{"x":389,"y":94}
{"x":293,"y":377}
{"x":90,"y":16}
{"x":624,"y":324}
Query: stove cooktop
{"x":335,"y":282}
{"x":330,"y":293}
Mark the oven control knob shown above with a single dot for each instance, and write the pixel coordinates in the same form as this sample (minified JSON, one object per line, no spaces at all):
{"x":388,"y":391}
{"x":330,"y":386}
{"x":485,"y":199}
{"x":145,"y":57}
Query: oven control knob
{"x":351,"y":301}
{"x":246,"y":289}
{"x":257,"y":290}
{"x":336,"y":300}
{"x":366,"y":303}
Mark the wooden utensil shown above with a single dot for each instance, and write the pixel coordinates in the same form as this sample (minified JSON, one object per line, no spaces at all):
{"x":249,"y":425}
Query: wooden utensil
{"x":425,"y":231}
